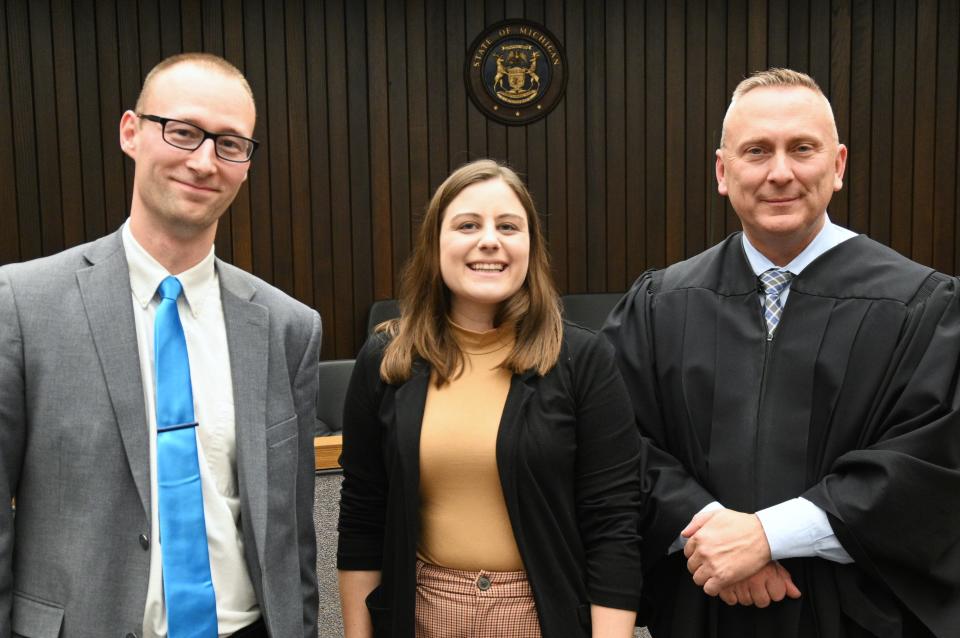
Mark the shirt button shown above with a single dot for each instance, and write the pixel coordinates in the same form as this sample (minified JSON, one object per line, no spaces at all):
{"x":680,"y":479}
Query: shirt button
{"x":145,"y":544}
{"x":483,"y":583}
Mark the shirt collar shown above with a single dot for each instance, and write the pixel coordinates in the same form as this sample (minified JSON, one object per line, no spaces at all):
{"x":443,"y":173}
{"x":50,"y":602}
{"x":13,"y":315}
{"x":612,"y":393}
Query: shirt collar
{"x":829,"y":236}
{"x":146,"y":273}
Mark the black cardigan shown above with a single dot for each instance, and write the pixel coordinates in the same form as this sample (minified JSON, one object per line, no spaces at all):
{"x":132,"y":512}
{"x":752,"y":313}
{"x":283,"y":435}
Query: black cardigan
{"x":569,"y":458}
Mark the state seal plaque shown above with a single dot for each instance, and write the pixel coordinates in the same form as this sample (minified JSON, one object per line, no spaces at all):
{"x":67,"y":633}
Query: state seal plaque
{"x":516,"y":72}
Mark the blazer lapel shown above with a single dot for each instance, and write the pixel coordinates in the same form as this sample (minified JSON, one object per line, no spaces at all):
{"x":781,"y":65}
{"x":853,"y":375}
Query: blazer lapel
{"x":409,"y":400}
{"x":105,"y":290}
{"x":247,"y":325}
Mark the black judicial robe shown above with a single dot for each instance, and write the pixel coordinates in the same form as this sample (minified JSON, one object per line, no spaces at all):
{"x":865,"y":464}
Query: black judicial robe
{"x":853,"y":405}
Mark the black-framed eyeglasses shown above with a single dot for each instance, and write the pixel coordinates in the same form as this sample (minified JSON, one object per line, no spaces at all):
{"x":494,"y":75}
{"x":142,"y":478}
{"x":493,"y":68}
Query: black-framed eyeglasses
{"x":189,"y":137}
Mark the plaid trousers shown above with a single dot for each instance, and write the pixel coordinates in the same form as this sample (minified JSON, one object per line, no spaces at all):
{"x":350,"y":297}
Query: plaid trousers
{"x":461,"y":604}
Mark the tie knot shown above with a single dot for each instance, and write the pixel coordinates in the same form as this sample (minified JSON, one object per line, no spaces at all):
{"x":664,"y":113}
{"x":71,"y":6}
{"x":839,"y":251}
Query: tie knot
{"x":775,"y":280}
{"x":170,"y":288}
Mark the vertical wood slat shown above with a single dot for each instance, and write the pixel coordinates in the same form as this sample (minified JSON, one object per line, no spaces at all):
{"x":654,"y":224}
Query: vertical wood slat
{"x":363,"y":111}
{"x":359,"y":134}
{"x":340,"y":150}
{"x":9,"y":222}
{"x":47,"y":140}
{"x":317,"y":132}
{"x":576,"y":149}
{"x":24,"y":134}
{"x":946,"y":198}
{"x":596,"y":141}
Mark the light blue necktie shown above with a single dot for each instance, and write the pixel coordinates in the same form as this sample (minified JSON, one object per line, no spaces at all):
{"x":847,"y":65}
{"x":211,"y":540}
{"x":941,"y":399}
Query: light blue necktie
{"x":187,"y":587}
{"x":773,"y":282}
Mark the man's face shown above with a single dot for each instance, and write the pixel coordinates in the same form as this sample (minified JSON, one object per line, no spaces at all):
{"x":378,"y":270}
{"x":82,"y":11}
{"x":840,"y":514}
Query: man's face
{"x":185,"y":192}
{"x":780,"y":165}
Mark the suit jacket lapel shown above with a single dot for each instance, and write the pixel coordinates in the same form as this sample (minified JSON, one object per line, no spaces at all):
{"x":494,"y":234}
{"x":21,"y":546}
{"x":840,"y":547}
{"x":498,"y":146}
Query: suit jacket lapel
{"x":247,"y":325}
{"x":105,"y":290}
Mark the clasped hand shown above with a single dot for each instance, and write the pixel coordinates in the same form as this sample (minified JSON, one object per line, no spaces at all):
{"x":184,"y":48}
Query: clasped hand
{"x":728,"y":554}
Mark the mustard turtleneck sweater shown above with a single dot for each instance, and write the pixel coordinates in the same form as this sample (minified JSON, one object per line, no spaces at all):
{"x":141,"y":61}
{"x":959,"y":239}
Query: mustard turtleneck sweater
{"x":463,"y":517}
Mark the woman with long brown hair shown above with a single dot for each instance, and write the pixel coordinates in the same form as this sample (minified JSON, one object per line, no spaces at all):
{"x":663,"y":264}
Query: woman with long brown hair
{"x":491,"y":464}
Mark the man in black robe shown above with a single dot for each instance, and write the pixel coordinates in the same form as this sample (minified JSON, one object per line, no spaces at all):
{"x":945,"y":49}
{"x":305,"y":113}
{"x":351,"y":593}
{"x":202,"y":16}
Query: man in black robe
{"x":798,"y":384}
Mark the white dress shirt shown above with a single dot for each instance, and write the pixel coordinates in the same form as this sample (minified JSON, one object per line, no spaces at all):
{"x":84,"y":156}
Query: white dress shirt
{"x":795,"y":528}
{"x":201,"y":313}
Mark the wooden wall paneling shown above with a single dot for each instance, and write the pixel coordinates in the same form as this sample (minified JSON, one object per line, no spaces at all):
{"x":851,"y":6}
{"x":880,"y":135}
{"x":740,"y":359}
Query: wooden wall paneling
{"x":400,"y":186}
{"x":656,"y":137}
{"x":634,"y":134}
{"x":191,"y":25}
{"x":474,"y":25}
{"x":45,"y":116}
{"x":301,"y":221}
{"x":88,"y":108}
{"x":211,"y":21}
{"x":340,"y":149}
{"x":9,"y":219}
{"x":759,"y":36}
{"x":597,"y":140}
{"x":418,"y":138}
{"x":819,"y":47}
{"x":234,"y":232}
{"x":902,"y":183}
{"x":318,"y":136}
{"x":716,"y":104}
{"x":859,"y":156}
{"x":778,"y":34}
{"x":435,"y":25}
{"x":840,"y":30}
{"x":128,"y":52}
{"x":738,"y":34}
{"x":360,"y":200}
{"x":881,"y":134}
{"x":278,"y":147}
{"x":576,"y":149}
{"x":516,"y":135}
{"x":171,"y":36}
{"x":24,"y":131}
{"x":799,"y":36}
{"x":555,"y":205}
{"x":149,"y":22}
{"x":494,"y":12}
{"x":675,"y":133}
{"x":924,"y":144}
{"x":536,"y":142}
{"x":696,"y":159}
{"x":455,"y":54}
{"x":259,"y":177}
{"x":946,"y":197}
{"x":111,"y":108}
{"x":616,"y":149}
{"x":377,"y":52}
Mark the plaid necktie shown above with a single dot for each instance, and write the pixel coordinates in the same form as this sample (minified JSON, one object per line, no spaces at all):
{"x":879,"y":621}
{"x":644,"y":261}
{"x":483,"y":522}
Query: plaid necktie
{"x":773,"y":282}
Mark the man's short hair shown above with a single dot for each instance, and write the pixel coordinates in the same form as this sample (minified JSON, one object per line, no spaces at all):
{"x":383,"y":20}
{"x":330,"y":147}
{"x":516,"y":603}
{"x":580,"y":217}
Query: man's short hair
{"x":774,"y":77}
{"x":195,"y":57}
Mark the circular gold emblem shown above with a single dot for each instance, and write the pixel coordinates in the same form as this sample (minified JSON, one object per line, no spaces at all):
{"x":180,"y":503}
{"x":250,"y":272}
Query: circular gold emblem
{"x":516,"y":72}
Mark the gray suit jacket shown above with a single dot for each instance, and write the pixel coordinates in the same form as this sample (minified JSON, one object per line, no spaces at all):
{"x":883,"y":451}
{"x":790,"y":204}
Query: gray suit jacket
{"x":74,"y":448}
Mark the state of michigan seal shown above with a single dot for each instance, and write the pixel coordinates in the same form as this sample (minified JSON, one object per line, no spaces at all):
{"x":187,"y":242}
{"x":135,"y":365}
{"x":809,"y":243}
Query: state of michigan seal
{"x":516,"y":72}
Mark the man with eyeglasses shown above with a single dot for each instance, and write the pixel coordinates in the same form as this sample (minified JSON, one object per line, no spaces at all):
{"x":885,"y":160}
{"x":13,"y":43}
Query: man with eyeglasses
{"x":157,"y":405}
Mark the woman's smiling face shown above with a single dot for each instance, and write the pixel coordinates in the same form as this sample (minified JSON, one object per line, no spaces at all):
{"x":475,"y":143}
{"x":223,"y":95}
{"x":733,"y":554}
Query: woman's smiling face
{"x":484,"y":251}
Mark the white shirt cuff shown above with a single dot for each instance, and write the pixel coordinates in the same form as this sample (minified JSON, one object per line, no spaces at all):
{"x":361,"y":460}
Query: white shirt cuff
{"x":681,"y":542}
{"x":798,"y":528}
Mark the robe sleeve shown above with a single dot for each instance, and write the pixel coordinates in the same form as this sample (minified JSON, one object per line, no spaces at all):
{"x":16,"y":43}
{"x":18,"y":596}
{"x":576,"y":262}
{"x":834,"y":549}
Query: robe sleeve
{"x":671,"y":496}
{"x":894,"y":502}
